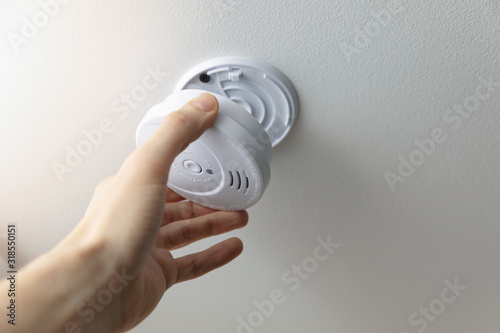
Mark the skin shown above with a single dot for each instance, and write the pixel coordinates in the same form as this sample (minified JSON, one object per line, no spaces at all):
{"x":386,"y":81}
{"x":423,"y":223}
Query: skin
{"x":130,"y":227}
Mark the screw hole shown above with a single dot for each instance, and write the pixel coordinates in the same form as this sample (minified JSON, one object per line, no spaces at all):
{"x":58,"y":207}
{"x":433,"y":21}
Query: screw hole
{"x":205,"y":78}
{"x":210,"y":171}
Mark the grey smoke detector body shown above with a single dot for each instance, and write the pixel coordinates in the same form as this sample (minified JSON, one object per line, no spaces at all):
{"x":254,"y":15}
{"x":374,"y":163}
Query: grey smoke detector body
{"x":228,"y":167}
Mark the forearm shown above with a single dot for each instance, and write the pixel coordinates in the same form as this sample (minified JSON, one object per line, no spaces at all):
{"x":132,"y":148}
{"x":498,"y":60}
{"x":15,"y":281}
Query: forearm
{"x":51,"y":289}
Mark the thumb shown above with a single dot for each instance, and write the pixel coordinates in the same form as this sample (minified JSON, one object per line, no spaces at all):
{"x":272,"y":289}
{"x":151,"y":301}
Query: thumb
{"x":155,"y":156}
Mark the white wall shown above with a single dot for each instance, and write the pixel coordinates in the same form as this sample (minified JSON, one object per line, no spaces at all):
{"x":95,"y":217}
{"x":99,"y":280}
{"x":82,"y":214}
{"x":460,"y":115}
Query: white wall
{"x":363,"y":104}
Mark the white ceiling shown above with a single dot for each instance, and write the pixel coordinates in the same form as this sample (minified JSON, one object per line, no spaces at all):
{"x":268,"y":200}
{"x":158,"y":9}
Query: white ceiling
{"x":364,"y":103}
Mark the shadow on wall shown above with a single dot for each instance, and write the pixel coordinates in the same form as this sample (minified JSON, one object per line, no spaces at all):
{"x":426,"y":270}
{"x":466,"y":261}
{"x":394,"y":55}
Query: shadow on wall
{"x":320,"y":188}
{"x":324,"y":172}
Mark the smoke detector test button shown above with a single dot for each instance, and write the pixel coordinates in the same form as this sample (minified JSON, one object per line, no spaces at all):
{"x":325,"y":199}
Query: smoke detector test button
{"x":192,"y":167}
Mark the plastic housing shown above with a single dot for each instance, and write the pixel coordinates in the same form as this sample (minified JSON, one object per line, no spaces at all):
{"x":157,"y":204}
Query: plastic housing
{"x":228,"y":167}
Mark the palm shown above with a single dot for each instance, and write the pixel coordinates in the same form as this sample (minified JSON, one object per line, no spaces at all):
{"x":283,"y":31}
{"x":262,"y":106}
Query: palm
{"x":144,"y":293}
{"x":183,"y":223}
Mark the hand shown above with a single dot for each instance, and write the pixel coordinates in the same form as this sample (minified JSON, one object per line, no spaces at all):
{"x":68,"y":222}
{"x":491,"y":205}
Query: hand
{"x":141,"y":222}
{"x":130,"y":227}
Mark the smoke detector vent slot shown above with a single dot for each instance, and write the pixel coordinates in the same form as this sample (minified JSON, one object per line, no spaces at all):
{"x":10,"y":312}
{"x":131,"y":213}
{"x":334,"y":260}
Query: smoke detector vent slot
{"x":247,"y":182}
{"x":239,"y":180}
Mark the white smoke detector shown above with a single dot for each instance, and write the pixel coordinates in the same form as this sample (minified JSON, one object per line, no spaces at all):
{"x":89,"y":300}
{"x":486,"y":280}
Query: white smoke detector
{"x":228,"y":167}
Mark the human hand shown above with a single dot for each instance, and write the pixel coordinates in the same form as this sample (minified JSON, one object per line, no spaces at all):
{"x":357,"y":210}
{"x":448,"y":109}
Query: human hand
{"x":133,"y":223}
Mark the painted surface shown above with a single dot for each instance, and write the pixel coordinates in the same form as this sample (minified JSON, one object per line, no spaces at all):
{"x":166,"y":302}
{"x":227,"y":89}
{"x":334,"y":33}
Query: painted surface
{"x":394,"y":161}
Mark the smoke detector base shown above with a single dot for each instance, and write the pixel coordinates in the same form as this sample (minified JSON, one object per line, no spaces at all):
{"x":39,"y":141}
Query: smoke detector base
{"x":259,"y":88}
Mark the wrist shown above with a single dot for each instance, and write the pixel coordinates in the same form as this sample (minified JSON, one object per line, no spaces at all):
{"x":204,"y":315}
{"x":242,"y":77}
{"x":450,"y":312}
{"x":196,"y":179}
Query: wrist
{"x":53,"y":287}
{"x":101,"y":279}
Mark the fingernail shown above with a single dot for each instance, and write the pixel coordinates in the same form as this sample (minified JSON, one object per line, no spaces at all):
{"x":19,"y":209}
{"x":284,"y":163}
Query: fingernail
{"x":205,"y":102}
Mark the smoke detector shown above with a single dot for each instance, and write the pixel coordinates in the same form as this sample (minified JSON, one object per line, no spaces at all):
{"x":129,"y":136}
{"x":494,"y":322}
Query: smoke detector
{"x":228,"y":167}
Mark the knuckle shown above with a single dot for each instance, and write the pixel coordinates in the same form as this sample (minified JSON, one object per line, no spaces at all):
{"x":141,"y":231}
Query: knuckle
{"x":174,"y":239}
{"x":186,"y":232}
{"x":179,"y":118}
{"x":211,"y":227}
{"x":196,"y":268}
{"x":187,"y":210}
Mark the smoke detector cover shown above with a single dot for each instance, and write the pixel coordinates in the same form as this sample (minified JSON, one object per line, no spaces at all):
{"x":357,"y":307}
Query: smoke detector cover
{"x":228,"y":167}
